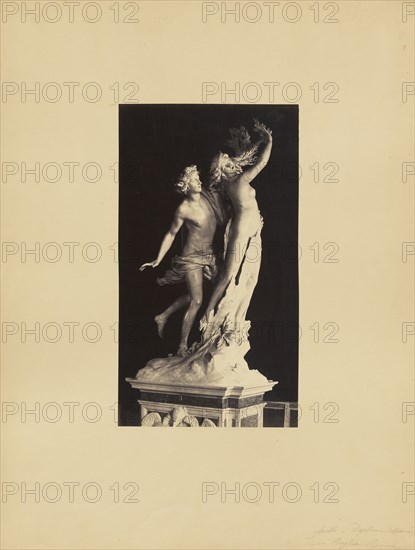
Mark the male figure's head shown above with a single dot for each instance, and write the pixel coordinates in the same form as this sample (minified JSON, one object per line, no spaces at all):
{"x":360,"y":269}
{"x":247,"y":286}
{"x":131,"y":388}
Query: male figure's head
{"x":189,"y":181}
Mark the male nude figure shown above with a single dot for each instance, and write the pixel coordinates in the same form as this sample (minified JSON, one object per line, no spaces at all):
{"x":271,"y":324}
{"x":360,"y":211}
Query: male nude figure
{"x":200,"y":213}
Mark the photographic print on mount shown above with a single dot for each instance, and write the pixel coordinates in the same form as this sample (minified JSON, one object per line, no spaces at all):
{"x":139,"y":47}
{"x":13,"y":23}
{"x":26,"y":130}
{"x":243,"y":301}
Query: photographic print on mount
{"x":208,"y":265}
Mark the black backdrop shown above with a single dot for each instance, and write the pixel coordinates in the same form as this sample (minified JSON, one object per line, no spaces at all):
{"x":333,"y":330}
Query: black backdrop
{"x":155,"y":143}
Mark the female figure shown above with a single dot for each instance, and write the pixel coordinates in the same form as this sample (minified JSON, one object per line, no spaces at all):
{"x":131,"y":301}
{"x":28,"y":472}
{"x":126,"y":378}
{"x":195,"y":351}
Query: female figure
{"x":243,"y":251}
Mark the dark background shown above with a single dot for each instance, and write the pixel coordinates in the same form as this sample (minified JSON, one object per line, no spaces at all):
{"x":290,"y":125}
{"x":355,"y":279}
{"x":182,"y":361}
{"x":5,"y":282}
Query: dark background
{"x":156,"y":143}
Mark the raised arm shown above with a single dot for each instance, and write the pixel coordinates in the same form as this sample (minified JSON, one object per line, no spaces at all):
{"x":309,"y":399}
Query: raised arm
{"x":263,"y":157}
{"x":167,"y":240}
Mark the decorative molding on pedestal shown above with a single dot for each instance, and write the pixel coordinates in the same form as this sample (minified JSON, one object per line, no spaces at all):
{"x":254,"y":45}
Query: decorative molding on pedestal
{"x":178,"y":418}
{"x":173,"y":405}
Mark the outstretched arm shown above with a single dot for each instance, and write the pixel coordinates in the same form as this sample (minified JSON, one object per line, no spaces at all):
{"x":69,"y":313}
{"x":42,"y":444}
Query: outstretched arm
{"x":167,"y":240}
{"x":263,"y":157}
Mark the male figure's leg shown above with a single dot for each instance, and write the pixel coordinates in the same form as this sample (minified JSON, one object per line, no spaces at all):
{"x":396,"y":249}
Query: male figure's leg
{"x":161,"y":319}
{"x":194,"y":281}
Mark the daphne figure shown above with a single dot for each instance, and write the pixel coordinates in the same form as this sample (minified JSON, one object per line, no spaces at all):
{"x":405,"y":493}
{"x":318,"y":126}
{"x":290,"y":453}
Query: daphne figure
{"x":243,"y":251}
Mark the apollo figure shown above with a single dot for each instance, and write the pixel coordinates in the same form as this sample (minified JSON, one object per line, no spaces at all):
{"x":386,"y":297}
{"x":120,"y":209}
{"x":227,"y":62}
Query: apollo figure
{"x":200,"y":212}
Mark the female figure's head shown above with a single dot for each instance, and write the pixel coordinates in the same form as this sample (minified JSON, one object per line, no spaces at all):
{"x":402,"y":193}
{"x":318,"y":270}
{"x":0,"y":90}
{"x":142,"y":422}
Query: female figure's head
{"x":223,"y":167}
{"x":189,"y":181}
{"x":226,"y":168}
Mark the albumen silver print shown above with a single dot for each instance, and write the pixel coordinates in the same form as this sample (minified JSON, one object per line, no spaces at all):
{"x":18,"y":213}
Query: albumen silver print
{"x":208,"y":265}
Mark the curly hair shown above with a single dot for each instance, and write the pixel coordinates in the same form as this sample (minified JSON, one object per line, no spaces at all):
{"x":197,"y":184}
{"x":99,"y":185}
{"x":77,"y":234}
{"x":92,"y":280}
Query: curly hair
{"x":217,"y":174}
{"x":182,"y":184}
{"x":245,"y":154}
{"x":216,"y":170}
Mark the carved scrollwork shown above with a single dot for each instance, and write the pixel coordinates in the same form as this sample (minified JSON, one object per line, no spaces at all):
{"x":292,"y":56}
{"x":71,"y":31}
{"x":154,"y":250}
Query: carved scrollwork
{"x":177,"y":418}
{"x":178,"y":414}
{"x":190,"y":422}
{"x":152,"y":420}
{"x":208,"y":423}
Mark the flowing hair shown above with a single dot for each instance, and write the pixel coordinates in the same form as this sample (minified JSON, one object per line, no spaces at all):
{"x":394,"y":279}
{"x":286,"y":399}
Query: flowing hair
{"x":245,"y":155}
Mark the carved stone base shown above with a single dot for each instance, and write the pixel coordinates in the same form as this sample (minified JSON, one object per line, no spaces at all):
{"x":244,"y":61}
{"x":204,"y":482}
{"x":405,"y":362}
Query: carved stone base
{"x":172,"y":405}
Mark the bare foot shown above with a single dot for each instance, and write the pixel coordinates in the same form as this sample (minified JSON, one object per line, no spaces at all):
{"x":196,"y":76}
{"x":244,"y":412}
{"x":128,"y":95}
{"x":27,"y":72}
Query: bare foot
{"x":206,"y":319}
{"x":203,"y":321}
{"x":204,"y":325}
{"x":161,"y":321}
{"x":182,"y":351}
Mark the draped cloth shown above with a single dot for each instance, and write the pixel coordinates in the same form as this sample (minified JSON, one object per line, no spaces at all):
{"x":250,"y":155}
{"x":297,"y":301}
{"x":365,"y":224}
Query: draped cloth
{"x":180,"y":265}
{"x":217,"y":204}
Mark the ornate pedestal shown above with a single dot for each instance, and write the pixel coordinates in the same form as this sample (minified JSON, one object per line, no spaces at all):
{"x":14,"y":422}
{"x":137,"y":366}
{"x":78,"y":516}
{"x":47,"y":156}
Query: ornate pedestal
{"x":196,"y":405}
